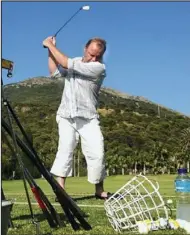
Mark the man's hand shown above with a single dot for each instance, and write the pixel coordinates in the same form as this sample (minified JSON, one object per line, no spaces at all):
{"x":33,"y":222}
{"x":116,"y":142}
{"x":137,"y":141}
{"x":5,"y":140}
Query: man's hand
{"x":49,"y":41}
{"x":58,"y":57}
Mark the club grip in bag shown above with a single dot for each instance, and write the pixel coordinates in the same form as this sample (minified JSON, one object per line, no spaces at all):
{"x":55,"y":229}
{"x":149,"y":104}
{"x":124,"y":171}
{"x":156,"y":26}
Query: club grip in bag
{"x":38,"y":199}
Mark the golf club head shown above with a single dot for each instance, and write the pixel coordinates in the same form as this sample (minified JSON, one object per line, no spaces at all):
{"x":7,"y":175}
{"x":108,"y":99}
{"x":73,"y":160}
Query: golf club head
{"x":85,"y":8}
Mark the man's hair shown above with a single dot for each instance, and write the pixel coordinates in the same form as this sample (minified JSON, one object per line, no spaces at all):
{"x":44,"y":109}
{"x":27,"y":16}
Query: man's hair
{"x":100,"y":42}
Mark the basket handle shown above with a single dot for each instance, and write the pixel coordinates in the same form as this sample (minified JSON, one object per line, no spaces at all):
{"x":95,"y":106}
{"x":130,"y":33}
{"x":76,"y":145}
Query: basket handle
{"x":153,"y":182}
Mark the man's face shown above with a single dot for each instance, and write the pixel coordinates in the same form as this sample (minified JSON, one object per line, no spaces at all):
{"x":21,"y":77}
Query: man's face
{"x":92,"y":53}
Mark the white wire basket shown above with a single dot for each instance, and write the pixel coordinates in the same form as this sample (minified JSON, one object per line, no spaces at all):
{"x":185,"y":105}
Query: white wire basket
{"x":138,"y":200}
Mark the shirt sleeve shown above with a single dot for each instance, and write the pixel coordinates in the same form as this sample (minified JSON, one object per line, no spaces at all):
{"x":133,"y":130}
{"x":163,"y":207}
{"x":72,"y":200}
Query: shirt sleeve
{"x":90,"y":69}
{"x":59,"y":72}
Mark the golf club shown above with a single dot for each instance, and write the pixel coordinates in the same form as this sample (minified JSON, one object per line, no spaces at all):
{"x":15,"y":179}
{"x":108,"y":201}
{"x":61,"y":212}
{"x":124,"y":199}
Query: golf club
{"x":85,"y":8}
{"x":70,"y":208}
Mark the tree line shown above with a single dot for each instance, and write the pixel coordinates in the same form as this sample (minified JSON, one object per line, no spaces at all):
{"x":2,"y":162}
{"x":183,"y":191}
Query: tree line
{"x":138,"y":136}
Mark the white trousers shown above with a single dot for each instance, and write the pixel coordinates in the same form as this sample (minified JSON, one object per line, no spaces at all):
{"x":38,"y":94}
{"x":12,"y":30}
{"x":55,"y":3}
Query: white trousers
{"x":92,"y":144}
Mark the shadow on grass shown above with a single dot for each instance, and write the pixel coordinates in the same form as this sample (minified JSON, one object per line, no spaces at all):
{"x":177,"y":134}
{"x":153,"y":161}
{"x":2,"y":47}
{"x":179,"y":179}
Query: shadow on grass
{"x":46,"y":234}
{"x":39,"y":217}
{"x":83,"y":198}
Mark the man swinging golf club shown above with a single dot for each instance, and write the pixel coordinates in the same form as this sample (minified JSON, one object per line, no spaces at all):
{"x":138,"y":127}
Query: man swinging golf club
{"x":77,"y":114}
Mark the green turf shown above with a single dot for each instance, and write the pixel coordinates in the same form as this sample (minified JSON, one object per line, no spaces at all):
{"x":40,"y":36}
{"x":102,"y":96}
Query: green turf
{"x":78,"y":188}
{"x":80,"y":185}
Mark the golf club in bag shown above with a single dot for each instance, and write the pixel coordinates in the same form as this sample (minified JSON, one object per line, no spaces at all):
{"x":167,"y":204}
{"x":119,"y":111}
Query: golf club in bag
{"x":72,"y":211}
{"x":85,"y":8}
{"x":43,"y":202}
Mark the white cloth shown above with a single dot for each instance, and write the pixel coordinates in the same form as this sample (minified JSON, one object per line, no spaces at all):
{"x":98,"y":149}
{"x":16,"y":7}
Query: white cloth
{"x":81,"y":90}
{"x":92,"y":147}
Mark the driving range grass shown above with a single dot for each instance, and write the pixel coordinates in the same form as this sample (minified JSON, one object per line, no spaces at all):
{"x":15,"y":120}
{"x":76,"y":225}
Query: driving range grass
{"x":79,"y":189}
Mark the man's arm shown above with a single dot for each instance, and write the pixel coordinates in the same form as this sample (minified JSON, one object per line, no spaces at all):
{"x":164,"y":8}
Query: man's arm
{"x":59,"y":57}
{"x":52,"y":64}
{"x":91,"y":70}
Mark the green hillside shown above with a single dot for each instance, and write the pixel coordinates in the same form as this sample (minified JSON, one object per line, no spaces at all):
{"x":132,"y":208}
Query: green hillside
{"x":139,"y":134}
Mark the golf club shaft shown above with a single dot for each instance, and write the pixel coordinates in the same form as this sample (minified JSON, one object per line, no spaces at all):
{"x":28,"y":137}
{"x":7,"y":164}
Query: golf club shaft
{"x":66,"y":23}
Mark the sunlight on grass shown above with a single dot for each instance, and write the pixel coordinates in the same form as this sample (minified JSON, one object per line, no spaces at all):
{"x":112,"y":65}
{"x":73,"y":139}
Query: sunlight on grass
{"x":78,"y":188}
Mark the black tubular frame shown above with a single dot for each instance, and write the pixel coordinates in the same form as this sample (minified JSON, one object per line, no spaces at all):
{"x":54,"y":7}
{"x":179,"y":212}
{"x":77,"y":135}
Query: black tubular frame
{"x":43,"y":202}
{"x":71,"y":209}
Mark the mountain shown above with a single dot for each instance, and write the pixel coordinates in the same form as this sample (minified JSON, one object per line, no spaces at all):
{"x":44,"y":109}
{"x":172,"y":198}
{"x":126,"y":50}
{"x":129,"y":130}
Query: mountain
{"x":137,"y":132}
{"x":47,"y":81}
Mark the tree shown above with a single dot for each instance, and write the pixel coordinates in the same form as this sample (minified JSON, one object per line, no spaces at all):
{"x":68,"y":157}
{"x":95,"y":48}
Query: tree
{"x":185,"y":145}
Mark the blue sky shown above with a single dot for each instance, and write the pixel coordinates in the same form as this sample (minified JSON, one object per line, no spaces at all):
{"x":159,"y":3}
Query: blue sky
{"x":148,"y":44}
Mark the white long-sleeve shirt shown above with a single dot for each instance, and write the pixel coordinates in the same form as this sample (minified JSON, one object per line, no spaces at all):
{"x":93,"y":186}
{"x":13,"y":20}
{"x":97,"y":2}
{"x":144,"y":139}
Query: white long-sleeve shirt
{"x":81,"y":90}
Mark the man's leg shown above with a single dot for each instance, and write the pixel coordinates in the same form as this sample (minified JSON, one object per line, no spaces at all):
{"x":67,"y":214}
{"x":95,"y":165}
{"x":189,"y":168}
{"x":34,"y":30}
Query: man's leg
{"x":68,"y":138}
{"x":61,"y":181}
{"x":92,"y":143}
{"x":99,"y":189}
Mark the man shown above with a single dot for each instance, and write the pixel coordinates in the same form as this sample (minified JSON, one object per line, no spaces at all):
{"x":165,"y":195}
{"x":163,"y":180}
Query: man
{"x":77,"y":114}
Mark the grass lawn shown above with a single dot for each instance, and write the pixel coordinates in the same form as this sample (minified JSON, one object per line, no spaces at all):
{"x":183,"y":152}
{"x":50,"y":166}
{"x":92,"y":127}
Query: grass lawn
{"x":78,"y":188}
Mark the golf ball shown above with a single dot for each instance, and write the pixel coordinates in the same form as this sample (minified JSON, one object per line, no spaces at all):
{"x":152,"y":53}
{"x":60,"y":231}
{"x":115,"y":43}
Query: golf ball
{"x":169,"y":201}
{"x":142,"y":227}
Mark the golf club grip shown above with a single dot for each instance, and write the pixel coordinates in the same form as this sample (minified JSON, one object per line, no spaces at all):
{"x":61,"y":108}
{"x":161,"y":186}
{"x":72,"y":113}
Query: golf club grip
{"x":52,"y":38}
{"x":40,"y":194}
{"x":38,"y":199}
{"x":53,"y":212}
{"x":43,"y":207}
